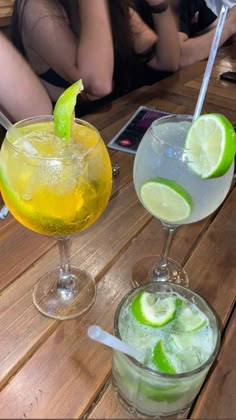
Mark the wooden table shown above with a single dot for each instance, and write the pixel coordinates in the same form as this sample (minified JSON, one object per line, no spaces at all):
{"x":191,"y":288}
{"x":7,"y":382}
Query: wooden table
{"x":6,"y":10}
{"x":50,"y":369}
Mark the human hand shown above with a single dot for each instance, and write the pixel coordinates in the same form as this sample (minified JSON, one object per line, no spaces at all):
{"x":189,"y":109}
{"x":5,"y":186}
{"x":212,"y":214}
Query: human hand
{"x":231,"y":20}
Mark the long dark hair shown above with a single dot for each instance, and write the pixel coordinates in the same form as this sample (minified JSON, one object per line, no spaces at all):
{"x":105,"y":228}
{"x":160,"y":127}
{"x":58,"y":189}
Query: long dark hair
{"x":125,"y":58}
{"x":121,"y":32}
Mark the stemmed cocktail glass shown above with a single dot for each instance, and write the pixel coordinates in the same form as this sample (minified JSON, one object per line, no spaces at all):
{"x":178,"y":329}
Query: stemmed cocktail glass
{"x":180,"y":195}
{"x":57,"y":188}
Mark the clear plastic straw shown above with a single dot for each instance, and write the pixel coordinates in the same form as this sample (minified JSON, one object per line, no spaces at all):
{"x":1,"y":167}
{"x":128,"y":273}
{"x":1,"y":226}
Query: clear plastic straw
{"x":3,"y":212}
{"x":98,"y":334}
{"x":210,"y":62}
{"x":4,"y":121}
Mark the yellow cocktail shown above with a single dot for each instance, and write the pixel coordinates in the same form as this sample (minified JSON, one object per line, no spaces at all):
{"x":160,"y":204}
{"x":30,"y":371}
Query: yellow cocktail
{"x":53,"y":187}
{"x":56,"y":188}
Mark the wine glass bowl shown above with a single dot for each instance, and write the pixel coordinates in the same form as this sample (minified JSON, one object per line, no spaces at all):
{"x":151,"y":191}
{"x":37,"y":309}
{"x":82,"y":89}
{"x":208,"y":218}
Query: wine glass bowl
{"x":57,"y":188}
{"x":171,"y":191}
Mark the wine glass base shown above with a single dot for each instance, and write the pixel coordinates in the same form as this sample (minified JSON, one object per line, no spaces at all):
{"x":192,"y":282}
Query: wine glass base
{"x":143,"y":272}
{"x":64,"y":303}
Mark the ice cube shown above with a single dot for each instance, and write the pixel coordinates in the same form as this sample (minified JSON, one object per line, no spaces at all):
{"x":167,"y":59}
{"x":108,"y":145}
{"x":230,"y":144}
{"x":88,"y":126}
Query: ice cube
{"x":189,"y":359}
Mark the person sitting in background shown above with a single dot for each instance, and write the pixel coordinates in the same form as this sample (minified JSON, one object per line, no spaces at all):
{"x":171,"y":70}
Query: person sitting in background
{"x":105,"y":43}
{"x":22,"y":94}
{"x":216,"y":5}
{"x":196,"y":24}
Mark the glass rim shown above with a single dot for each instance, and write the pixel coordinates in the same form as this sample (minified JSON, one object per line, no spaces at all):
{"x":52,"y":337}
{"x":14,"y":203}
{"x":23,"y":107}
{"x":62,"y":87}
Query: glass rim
{"x":159,"y":121}
{"x":174,"y":116}
{"x":157,"y":373}
{"x":48,"y":118}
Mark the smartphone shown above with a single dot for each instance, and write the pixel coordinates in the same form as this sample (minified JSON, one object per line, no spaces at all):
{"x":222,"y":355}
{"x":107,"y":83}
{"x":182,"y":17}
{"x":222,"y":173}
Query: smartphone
{"x":230,"y":76}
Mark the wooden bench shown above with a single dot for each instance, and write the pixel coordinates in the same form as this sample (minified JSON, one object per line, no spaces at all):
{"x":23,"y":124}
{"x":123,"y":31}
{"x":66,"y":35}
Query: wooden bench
{"x":6,"y":9}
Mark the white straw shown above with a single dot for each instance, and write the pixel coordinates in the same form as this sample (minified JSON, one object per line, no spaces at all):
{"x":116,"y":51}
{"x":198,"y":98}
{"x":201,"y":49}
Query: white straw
{"x":3,"y":212}
{"x":4,"y":121}
{"x":98,"y":334}
{"x":210,"y":62}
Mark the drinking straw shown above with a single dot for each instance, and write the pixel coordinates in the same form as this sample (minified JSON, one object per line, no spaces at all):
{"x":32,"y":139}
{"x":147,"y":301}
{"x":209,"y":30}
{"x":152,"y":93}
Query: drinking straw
{"x":98,"y":334}
{"x":3,"y":212}
{"x":210,"y":62}
{"x":4,"y":121}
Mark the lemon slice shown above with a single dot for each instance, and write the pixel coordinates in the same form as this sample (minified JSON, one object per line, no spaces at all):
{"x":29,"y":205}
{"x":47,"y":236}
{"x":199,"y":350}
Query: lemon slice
{"x":149,"y":310}
{"x":64,"y":109}
{"x":210,"y":145}
{"x":166,"y":200}
{"x":161,"y":360}
{"x":191,"y":320}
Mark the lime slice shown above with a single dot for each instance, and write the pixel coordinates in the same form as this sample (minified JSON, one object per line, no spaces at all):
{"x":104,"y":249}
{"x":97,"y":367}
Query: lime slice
{"x":149,"y":310}
{"x":161,"y":360}
{"x":171,"y":393}
{"x":64,"y":108}
{"x":210,"y":145}
{"x":191,"y":320}
{"x":153,"y":390}
{"x":166,"y":200}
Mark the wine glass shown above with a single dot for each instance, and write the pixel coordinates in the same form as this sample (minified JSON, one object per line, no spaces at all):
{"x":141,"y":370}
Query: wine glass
{"x":57,"y":188}
{"x":162,"y":158}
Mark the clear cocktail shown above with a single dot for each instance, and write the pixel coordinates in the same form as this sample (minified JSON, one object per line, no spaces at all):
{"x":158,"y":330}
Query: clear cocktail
{"x":170,"y":186}
{"x":57,"y":188}
{"x":179,"y":336}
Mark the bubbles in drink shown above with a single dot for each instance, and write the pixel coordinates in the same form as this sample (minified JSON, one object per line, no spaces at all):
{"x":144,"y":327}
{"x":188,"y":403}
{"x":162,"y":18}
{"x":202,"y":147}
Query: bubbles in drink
{"x":26,"y":196}
{"x":57,"y":187}
{"x":187,"y":339}
{"x":189,"y":359}
{"x":162,"y":154}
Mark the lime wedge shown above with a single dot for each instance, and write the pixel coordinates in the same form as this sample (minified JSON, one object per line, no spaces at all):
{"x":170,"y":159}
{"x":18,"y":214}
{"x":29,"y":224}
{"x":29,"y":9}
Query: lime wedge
{"x":149,"y":310}
{"x":191,"y":320}
{"x":166,"y":200}
{"x":155,"y":393}
{"x":210,"y":145}
{"x":64,"y":109}
{"x":161,"y":360}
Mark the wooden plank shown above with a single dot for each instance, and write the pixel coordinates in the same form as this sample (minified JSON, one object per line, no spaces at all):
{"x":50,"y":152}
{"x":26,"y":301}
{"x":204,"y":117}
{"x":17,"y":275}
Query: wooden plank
{"x":212,"y":271}
{"x":7,"y":3}
{"x":70,"y":373}
{"x":220,"y":387}
{"x":6,"y":10}
{"x":177,"y":94}
{"x":13,"y":234}
{"x":96,"y":248}
{"x":213,"y":264}
{"x":77,"y":364}
{"x":221,"y":384}
{"x":15,"y":258}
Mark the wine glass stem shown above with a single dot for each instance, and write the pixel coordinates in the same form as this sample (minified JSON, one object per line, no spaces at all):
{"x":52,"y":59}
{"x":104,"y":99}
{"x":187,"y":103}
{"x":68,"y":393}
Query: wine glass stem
{"x":65,"y":279}
{"x":161,"y":270}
